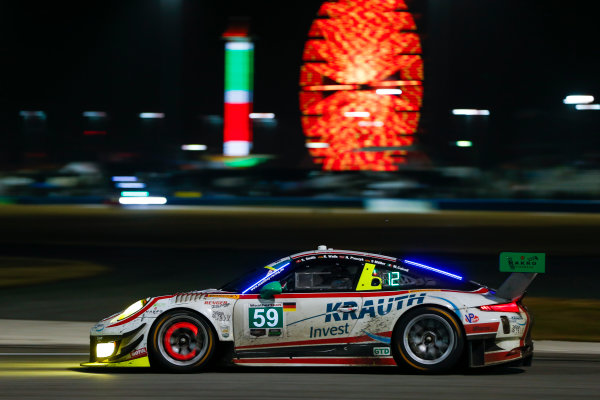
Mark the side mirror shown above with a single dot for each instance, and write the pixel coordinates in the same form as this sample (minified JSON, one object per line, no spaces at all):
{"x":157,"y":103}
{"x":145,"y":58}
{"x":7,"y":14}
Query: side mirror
{"x":270,"y":290}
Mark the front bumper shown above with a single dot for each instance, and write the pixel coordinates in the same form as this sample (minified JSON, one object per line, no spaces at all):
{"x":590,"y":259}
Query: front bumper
{"x":130,"y":350}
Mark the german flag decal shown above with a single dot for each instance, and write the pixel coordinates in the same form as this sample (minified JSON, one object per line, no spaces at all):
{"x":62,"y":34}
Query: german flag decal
{"x":289,"y":307}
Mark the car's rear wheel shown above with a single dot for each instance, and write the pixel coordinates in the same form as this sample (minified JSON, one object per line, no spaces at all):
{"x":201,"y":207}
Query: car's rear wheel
{"x":428,"y":339}
{"x":181,"y":341}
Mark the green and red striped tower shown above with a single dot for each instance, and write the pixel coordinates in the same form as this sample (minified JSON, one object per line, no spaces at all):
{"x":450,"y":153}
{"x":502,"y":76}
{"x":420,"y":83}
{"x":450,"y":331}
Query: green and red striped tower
{"x":239,"y":58}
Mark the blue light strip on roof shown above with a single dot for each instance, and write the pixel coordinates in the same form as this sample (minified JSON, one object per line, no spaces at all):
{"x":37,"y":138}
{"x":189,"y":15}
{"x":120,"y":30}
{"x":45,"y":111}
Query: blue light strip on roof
{"x":257,"y":284}
{"x":439,"y":271}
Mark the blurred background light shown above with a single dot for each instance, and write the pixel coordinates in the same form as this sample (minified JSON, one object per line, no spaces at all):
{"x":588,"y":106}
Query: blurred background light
{"x":135,"y":193}
{"x":464,"y":143}
{"x":357,"y":114}
{"x":124,"y":179}
{"x":323,"y":88}
{"x":32,"y":114}
{"x":130,"y":185}
{"x":370,"y":123}
{"x":262,"y":115}
{"x":94,"y":114}
{"x":142,"y":200}
{"x":193,"y":147}
{"x":145,"y":115}
{"x":388,"y":91}
{"x":470,"y":111}
{"x":317,"y":145}
{"x":578,"y":99}
{"x":587,"y":107}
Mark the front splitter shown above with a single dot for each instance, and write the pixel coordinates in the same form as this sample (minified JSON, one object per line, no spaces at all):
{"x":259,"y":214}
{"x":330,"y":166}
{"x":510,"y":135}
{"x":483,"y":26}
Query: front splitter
{"x":137,"y":362}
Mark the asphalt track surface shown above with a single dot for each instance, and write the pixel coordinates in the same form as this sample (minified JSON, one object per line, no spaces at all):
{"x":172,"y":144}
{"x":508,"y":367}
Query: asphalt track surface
{"x":60,"y":377}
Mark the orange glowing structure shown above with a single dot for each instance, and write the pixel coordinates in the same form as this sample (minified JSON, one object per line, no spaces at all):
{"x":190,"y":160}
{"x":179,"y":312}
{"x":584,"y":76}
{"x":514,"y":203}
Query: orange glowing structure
{"x":361,"y":84}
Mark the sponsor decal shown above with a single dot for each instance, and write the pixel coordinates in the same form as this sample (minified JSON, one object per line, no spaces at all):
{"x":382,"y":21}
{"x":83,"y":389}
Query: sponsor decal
{"x":379,"y":338}
{"x":225,"y":331}
{"x":275,"y":332}
{"x":485,"y":327}
{"x":139,"y":353}
{"x":154,"y":310}
{"x":383,"y":307}
{"x":258,"y":332}
{"x":99,"y":327}
{"x":471,"y":318}
{"x":221,"y":316}
{"x":225,"y":296}
{"x":518,"y":320}
{"x":329,"y":331}
{"x":522,"y":262}
{"x":289,"y":307}
{"x":399,"y":267}
{"x":217,"y":303}
{"x":516,"y":329}
{"x":381,"y":351}
{"x":261,"y":316}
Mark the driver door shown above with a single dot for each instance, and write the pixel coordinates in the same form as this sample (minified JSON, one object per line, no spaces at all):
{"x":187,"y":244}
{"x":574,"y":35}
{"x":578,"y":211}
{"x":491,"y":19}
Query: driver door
{"x":316,"y":313}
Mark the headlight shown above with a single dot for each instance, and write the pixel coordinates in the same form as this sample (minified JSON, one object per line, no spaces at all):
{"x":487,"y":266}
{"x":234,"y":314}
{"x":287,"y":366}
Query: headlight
{"x":104,"y":350}
{"x":132,"y":309}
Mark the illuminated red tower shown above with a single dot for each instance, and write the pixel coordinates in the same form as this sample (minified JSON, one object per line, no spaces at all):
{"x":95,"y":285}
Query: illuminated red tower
{"x":361,"y":85}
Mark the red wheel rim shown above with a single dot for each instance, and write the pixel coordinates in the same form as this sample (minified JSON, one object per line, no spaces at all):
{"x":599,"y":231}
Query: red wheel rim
{"x":178,"y":327}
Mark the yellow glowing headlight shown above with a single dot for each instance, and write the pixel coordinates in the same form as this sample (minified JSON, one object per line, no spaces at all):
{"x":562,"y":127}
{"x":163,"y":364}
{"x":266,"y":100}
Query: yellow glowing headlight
{"x":132,"y":309}
{"x":104,"y":350}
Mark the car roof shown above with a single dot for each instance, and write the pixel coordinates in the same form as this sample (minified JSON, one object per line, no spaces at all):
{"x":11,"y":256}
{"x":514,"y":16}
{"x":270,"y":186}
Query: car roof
{"x":336,"y":251}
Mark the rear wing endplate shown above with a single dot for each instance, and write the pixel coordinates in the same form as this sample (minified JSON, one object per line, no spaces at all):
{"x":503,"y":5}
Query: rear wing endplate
{"x":515,"y":285}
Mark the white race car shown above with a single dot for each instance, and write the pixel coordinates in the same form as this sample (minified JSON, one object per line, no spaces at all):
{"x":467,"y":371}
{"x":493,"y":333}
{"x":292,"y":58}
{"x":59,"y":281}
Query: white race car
{"x":325,"y":308}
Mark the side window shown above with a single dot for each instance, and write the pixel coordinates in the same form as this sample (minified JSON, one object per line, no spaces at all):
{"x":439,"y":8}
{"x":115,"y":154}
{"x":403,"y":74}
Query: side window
{"x":322,"y":275}
{"x":393,"y":279}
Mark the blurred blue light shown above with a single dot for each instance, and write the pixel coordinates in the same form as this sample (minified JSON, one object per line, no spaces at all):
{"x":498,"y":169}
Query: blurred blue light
{"x":94,"y":114}
{"x":124,"y":179}
{"x":146,"y":115}
{"x":32,"y":114}
{"x":131,"y":185}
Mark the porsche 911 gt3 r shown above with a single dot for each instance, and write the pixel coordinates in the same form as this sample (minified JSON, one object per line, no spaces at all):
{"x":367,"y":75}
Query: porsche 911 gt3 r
{"x":327,"y":308}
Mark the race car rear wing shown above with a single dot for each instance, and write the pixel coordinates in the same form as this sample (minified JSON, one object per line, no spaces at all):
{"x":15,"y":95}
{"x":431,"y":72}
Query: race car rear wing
{"x":524,"y":268}
{"x":515,"y":285}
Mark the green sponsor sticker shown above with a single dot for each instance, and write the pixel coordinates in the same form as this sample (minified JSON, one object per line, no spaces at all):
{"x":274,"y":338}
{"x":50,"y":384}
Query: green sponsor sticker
{"x":265,"y":317}
{"x":523,"y":262}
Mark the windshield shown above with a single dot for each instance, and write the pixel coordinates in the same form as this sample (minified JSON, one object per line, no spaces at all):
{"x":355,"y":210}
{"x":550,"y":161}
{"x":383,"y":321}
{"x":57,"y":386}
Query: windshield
{"x":253,"y":280}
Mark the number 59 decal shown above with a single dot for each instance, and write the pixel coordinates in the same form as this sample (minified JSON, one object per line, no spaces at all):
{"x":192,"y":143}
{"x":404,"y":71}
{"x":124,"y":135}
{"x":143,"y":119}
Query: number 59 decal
{"x":261,"y":316}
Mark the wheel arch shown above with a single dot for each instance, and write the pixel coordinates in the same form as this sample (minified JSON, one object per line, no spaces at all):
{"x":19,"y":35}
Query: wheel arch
{"x":448,"y":311}
{"x":187,"y":309}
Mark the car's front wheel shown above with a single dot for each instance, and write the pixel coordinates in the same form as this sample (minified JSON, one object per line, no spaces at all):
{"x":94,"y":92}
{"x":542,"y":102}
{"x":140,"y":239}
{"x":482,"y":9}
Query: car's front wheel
{"x":181,"y":341}
{"x":428,"y":339}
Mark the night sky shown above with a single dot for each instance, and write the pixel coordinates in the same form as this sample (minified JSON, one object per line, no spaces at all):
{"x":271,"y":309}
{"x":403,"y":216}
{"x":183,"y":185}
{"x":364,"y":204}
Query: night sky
{"x":518,"y":59}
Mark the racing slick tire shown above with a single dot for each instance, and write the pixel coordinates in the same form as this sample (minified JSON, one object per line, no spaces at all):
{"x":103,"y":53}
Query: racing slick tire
{"x":181,"y":341}
{"x":428,"y":339}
